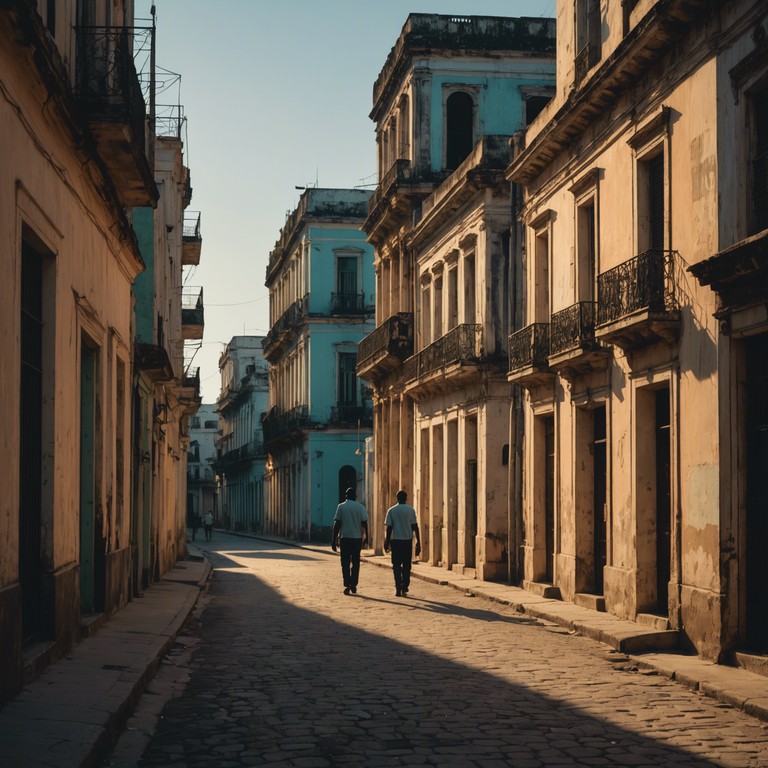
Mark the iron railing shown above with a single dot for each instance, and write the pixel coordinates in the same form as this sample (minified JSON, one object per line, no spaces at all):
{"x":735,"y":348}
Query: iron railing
{"x":192,"y":306}
{"x":529,"y":347}
{"x":573,"y":328}
{"x":347,"y":303}
{"x":644,"y":282}
{"x":400,"y":170}
{"x":169,"y":121}
{"x":462,"y":344}
{"x":277,"y":424}
{"x":292,"y":317}
{"x":108,"y":86}
{"x":191,"y":379}
{"x":191,"y":230}
{"x":344,"y":414}
{"x":394,"y":336}
{"x":251,"y":450}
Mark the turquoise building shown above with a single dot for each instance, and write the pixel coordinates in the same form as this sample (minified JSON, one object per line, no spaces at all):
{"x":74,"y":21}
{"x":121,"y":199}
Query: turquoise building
{"x":321,"y":285}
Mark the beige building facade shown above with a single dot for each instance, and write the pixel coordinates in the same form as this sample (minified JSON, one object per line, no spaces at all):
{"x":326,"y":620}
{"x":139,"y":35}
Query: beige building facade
{"x":446,"y":102}
{"x":638,"y":172}
{"x":77,"y":164}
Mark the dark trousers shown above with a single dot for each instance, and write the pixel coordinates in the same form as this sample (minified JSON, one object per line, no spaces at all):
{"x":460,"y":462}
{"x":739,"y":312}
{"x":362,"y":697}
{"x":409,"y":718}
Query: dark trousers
{"x":402,"y":554}
{"x":350,"y":560}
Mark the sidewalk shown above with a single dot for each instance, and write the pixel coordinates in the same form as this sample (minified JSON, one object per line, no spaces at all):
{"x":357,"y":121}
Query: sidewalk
{"x":71,"y":714}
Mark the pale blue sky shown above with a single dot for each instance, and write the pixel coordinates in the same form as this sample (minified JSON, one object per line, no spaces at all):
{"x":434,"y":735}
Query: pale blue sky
{"x":277,"y":95}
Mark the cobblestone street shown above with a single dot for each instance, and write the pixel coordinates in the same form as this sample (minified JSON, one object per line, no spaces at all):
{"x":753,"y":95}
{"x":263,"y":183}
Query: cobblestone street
{"x":286,"y":670}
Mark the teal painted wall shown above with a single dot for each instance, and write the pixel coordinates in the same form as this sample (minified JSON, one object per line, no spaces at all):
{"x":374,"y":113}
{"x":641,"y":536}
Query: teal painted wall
{"x":324,"y":241}
{"x":144,"y":286}
{"x":499,"y":101}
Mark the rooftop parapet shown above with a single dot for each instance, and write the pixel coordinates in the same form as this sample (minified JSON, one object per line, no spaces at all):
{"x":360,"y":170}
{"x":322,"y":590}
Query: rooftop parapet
{"x":432,"y":32}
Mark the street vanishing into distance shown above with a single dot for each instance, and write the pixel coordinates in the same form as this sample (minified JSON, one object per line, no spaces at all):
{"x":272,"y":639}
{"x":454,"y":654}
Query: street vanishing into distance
{"x":278,"y":668}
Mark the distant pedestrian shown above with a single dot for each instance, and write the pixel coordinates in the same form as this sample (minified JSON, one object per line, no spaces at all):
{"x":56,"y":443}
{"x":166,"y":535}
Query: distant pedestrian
{"x":350,"y":533}
{"x":197,"y":522}
{"x":208,"y":525}
{"x":401,"y":526}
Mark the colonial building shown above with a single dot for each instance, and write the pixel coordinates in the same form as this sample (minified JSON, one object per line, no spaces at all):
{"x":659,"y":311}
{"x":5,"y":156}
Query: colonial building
{"x":645,"y":410}
{"x":321,"y":284}
{"x":166,"y":389}
{"x":446,"y":103}
{"x":240,"y":453}
{"x":202,"y":491}
{"x":73,"y":162}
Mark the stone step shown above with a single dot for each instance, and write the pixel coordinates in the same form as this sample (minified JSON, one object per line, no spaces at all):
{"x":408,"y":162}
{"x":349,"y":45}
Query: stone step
{"x":585,"y":600}
{"x":756,"y":663}
{"x":543,"y":590}
{"x":653,"y":620}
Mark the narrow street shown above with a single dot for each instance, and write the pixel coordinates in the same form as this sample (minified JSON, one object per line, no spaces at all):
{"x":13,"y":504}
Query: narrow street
{"x":286,"y":670}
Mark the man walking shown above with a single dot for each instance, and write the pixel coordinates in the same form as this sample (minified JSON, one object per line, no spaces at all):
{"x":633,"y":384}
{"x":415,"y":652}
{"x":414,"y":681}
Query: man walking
{"x":350,"y":532}
{"x":401,"y":527}
{"x":208,"y":525}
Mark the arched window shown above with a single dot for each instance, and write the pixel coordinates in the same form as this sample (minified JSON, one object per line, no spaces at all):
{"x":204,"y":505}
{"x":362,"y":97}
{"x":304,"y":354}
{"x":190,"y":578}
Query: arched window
{"x":347,"y":479}
{"x":459,"y":120}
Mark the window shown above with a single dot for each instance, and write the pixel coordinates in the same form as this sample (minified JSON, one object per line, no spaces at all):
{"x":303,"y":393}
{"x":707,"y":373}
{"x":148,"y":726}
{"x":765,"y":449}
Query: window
{"x":586,"y":263}
{"x":437,"y":308}
{"x":760,"y":161}
{"x":650,"y":203}
{"x":588,"y":44}
{"x":459,"y":128}
{"x":533,"y":106}
{"x":346,"y":275}
{"x":469,"y":289}
{"x":453,"y":296}
{"x":195,"y":422}
{"x":347,"y":378}
{"x":541,"y":276}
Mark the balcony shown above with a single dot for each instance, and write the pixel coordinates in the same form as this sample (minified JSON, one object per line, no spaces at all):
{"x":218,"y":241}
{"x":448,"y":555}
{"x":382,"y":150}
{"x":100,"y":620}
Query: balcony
{"x":189,"y":392}
{"x":237,"y":457}
{"x":529,"y":356}
{"x":282,"y":333}
{"x":192,"y":320}
{"x":451,"y":360}
{"x":346,"y":415}
{"x":192,"y":240}
{"x":573,"y":348}
{"x":397,"y":190}
{"x":111,"y":102}
{"x":285,"y":427}
{"x":350,"y":304}
{"x":385,"y":348}
{"x":637,"y":304}
{"x":153,"y":361}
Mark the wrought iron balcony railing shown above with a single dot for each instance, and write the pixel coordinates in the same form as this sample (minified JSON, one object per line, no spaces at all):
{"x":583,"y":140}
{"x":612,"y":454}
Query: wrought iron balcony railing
{"x":347,"y":303}
{"x":352,"y":415}
{"x":191,"y":230}
{"x":191,"y":379}
{"x":292,"y":317}
{"x":249,"y":451}
{"x":573,"y":328}
{"x":462,"y":344}
{"x":394,"y":337}
{"x":192,"y":306}
{"x":108,"y":86}
{"x":529,"y":347}
{"x":277,"y":424}
{"x":645,"y":282}
{"x":399,"y":171}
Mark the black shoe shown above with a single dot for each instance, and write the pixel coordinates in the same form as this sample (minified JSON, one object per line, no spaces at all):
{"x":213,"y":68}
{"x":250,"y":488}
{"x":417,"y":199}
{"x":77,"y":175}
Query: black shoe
{"x":354,"y":590}
{"x":346,"y":590}
{"x":405,"y":590}
{"x":398,"y":593}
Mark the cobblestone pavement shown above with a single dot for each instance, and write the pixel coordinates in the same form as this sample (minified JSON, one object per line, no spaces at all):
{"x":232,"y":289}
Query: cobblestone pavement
{"x":286,"y":670}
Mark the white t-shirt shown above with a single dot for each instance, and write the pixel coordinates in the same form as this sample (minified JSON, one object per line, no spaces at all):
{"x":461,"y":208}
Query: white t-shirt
{"x":401,"y":517}
{"x":350,"y":514}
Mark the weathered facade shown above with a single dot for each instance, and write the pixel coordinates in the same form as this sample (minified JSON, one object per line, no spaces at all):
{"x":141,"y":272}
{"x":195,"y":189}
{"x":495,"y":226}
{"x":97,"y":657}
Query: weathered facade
{"x":166,"y":390}
{"x":644,"y":455}
{"x":451,"y":94}
{"x":73,"y":159}
{"x":240,"y":453}
{"x":202,"y":490}
{"x":321,"y":287}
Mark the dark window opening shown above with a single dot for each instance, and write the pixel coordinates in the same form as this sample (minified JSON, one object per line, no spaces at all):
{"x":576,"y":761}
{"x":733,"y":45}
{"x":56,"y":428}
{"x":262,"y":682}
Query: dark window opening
{"x":459,"y":133}
{"x":533,"y":106}
{"x":760,"y":162}
{"x":656,"y":202}
{"x":347,"y":378}
{"x":347,"y":479}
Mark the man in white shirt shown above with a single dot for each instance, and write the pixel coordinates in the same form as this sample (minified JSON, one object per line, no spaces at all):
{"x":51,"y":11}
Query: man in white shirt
{"x":350,"y":532}
{"x":401,"y":526}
